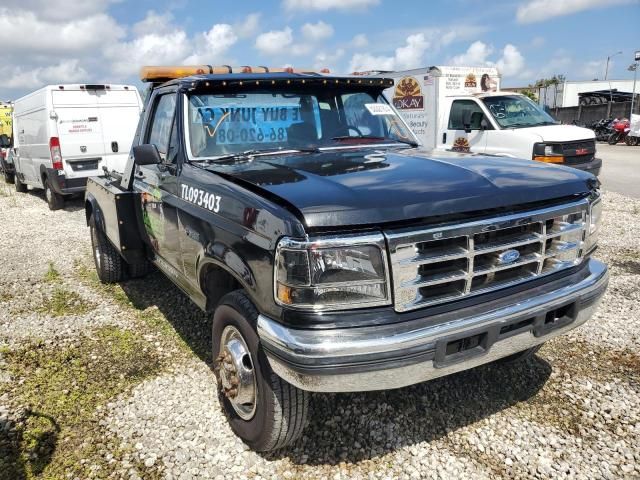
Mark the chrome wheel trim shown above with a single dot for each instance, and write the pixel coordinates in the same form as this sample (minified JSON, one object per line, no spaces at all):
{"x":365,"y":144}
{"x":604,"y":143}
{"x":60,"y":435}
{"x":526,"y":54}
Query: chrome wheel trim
{"x":237,"y":373}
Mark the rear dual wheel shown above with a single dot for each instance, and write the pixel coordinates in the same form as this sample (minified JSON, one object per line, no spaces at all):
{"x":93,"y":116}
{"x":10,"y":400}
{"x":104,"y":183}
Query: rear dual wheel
{"x":266,"y":412}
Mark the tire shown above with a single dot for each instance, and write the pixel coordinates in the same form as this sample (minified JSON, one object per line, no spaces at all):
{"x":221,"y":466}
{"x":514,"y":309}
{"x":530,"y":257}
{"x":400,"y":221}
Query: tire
{"x":280,"y":410}
{"x":109,"y":264}
{"x":613,"y":139}
{"x":520,"y":356}
{"x":138,"y":270}
{"x":54,"y":199}
{"x":20,"y":187}
{"x":9,"y":177}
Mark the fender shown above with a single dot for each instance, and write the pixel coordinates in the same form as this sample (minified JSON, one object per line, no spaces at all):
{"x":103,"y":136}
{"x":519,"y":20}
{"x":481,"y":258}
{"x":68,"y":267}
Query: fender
{"x":224,"y":257}
{"x":91,"y":206}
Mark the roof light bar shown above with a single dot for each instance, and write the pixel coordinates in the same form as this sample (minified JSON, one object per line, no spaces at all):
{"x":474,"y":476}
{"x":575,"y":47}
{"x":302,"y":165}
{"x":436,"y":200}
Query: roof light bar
{"x":165,"y":73}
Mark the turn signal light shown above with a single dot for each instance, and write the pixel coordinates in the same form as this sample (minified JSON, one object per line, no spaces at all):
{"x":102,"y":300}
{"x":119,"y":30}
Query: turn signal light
{"x":56,"y":153}
{"x":554,"y":159}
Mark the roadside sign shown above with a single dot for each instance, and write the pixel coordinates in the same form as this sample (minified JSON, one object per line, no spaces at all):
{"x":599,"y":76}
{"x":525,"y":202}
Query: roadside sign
{"x":638,"y":56}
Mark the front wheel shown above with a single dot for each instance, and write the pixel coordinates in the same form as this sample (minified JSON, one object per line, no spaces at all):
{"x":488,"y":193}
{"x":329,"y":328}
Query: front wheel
{"x":613,"y":139}
{"x":266,"y":412}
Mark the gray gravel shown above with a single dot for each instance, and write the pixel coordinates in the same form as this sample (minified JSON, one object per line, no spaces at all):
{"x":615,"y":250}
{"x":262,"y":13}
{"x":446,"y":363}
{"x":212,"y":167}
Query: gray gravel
{"x":573,"y":411}
{"x":32,"y":238}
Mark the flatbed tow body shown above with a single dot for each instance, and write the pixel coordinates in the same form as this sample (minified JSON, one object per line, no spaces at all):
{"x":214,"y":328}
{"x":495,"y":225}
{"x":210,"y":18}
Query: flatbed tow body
{"x":347,"y":262}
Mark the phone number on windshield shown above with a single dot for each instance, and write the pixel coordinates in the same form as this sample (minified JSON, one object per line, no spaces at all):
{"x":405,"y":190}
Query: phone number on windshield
{"x":252,"y":135}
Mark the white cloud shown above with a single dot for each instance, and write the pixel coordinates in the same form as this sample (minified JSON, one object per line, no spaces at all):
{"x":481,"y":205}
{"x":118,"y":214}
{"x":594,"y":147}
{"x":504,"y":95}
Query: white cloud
{"x":594,"y":69}
{"x":539,"y":10}
{"x":327,"y":60}
{"x":324,"y":5}
{"x":150,"y":49}
{"x":153,"y":23}
{"x":359,"y":41}
{"x":274,"y":41}
{"x":66,"y":71}
{"x":476,"y":54}
{"x":538,"y":41}
{"x":210,"y":46}
{"x":59,"y":10}
{"x":511,"y":62}
{"x":249,"y":26}
{"x":23,"y":32}
{"x":316,"y":31}
{"x":410,"y":55}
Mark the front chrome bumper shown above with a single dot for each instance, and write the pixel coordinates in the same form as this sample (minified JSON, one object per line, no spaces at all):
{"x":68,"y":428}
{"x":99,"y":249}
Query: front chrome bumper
{"x":397,"y":355}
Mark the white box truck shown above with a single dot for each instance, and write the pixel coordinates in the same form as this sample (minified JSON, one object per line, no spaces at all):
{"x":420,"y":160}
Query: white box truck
{"x":68,"y":133}
{"x":462,"y":109}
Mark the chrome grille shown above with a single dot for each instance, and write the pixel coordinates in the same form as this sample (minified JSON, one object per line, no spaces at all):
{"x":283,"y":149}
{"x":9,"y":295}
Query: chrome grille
{"x":450,"y":262}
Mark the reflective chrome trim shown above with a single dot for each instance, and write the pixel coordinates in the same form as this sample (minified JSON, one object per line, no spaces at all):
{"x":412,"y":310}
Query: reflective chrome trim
{"x":340,"y":347}
{"x":407,"y":258}
{"x":347,"y":240}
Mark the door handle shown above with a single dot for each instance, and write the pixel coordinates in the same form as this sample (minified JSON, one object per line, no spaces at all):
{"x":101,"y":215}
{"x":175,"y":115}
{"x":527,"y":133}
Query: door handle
{"x":444,"y":137}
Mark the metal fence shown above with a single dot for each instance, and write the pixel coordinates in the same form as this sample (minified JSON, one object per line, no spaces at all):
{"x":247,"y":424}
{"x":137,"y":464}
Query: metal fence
{"x":586,"y":114}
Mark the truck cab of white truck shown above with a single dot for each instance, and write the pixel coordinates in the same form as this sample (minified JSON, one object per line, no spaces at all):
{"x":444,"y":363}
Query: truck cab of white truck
{"x":68,"y":133}
{"x":463,"y":109}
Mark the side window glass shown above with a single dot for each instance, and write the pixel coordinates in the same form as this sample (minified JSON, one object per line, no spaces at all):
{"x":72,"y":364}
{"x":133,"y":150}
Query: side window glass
{"x":172,"y":153}
{"x":458,"y":110}
{"x":357,"y":115}
{"x":161,"y":125}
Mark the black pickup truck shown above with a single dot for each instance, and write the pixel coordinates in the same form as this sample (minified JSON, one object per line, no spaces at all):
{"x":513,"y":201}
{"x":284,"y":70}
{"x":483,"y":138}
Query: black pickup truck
{"x":334,"y":253}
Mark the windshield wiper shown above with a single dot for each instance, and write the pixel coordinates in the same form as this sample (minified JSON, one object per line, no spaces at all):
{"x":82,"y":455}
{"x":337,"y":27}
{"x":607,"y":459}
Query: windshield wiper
{"x":518,"y":124}
{"x":247,"y":154}
{"x":375,"y":137}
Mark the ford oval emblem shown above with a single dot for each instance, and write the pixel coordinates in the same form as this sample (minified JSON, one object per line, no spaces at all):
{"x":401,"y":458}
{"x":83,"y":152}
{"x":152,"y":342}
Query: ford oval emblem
{"x":508,"y":256}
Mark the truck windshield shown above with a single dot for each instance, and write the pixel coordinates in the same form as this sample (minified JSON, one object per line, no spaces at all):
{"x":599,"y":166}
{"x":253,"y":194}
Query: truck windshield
{"x":515,"y":111}
{"x":223,"y":124}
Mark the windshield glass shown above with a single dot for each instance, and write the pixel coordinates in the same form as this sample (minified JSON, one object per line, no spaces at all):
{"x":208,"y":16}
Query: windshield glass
{"x":515,"y":111}
{"x":223,"y":124}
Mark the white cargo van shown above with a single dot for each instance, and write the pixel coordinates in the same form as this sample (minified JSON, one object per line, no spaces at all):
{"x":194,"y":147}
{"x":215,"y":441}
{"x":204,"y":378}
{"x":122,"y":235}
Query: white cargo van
{"x":463,"y":109}
{"x":67,"y":133}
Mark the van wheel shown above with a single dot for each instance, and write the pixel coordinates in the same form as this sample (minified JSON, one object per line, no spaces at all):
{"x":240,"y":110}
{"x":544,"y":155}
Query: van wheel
{"x":109,"y":263}
{"x":20,"y":187}
{"x":9,"y":177}
{"x":54,"y":200}
{"x":266,"y":412}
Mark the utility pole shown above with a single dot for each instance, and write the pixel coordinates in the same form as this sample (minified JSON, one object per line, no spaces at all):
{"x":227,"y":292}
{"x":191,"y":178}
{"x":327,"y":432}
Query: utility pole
{"x":609,"y":57}
{"x":634,"y":67}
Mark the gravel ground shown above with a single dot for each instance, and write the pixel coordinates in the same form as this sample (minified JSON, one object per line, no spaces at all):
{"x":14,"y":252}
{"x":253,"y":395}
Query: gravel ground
{"x":573,"y":411}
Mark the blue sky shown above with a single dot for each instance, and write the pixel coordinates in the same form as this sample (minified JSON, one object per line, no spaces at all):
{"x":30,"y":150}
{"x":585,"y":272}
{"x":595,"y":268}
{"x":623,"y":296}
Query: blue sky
{"x":56,"y":41}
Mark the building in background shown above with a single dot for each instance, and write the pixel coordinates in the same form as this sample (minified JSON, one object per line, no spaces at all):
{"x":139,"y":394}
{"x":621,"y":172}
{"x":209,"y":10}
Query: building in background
{"x":568,"y":93}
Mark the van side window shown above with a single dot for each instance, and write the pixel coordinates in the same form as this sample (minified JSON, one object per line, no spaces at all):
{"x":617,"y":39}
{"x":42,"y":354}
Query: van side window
{"x":458,"y":109}
{"x":162,"y":123}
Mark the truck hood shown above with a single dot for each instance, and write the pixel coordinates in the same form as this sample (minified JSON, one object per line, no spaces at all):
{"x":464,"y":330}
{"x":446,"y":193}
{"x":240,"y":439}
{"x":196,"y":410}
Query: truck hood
{"x":559,"y":133}
{"x":370,"y":187}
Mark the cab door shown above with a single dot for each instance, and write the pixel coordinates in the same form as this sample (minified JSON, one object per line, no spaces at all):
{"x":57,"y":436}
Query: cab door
{"x":465,"y":131}
{"x":158,"y":183}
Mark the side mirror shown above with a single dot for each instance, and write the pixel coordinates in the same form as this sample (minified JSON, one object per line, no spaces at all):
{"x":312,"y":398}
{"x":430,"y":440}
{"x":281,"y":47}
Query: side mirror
{"x":146,"y":155}
{"x":466,"y":121}
{"x":5,"y":141}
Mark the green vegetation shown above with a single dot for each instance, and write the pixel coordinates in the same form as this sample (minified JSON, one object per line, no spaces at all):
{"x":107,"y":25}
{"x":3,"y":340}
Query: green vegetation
{"x":64,"y":302}
{"x":52,"y":274}
{"x":61,"y":389}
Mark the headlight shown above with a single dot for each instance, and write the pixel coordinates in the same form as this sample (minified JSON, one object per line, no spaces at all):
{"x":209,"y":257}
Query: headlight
{"x":595,"y":216}
{"x":548,"y":153}
{"x":332,"y":273}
